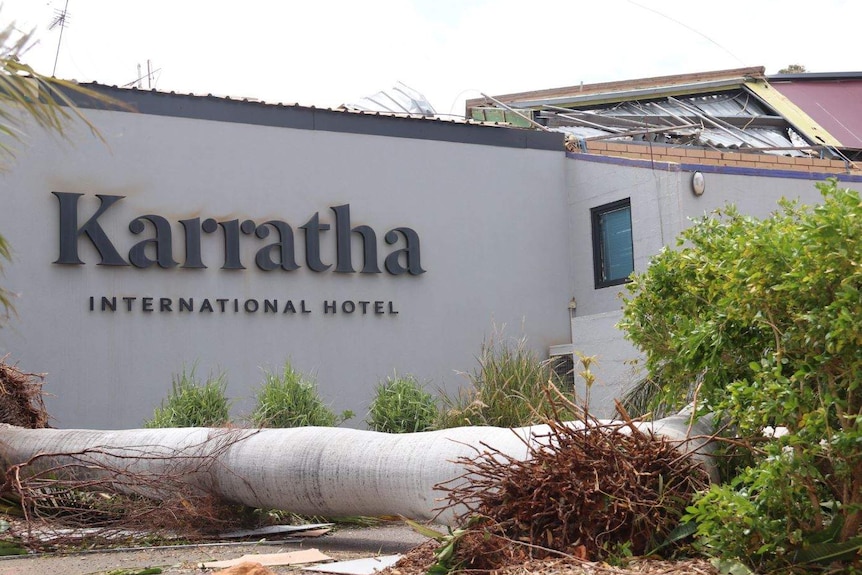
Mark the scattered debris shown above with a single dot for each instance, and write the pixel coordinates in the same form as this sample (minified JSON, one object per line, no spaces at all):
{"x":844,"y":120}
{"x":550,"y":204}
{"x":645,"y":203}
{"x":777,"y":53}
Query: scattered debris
{"x":367,"y":566}
{"x":246,"y":568}
{"x":307,"y":530}
{"x":410,"y":565}
{"x":271,"y":559}
{"x":312,"y":533}
{"x":21,"y":402}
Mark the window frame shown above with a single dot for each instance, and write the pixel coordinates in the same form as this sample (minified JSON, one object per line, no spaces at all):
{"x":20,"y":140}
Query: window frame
{"x":595,"y":219}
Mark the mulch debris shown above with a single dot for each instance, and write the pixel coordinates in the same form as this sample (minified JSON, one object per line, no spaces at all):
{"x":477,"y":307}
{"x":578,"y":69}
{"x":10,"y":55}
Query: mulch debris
{"x":421,"y":558}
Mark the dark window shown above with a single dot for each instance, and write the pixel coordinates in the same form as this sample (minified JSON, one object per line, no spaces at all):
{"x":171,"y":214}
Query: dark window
{"x":613,"y":257}
{"x":563,"y":367}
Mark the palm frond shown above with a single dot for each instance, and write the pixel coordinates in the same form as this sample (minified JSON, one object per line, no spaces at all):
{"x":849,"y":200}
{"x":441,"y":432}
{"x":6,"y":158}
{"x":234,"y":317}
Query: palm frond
{"x":26,"y":95}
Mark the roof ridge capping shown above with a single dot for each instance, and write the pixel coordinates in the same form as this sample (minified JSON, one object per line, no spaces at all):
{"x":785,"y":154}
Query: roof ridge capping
{"x":815,"y":76}
{"x":739,"y":74}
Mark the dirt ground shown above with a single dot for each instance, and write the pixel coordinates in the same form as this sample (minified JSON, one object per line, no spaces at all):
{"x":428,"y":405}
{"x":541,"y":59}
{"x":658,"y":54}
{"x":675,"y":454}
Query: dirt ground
{"x":343,"y":544}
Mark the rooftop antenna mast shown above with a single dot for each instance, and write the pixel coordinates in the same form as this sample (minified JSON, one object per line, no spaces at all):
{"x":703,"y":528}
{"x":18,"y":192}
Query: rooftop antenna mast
{"x":61,"y":18}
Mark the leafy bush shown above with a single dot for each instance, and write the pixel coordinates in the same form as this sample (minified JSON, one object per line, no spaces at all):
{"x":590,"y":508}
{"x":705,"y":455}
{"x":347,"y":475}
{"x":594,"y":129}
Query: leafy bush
{"x":401,"y":405}
{"x":764,"y":317}
{"x":191,"y":404}
{"x":292,"y":400}
{"x":508,"y":389}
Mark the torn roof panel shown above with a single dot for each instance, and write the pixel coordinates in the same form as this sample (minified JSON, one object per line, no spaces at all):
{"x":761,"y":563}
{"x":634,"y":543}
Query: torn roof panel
{"x":400,"y":99}
{"x":584,"y":132}
{"x":750,"y":138}
{"x":728,"y":106}
{"x":729,"y":119}
{"x":708,"y":137}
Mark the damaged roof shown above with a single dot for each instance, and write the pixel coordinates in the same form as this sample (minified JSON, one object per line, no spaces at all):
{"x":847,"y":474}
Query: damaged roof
{"x":736,"y":109}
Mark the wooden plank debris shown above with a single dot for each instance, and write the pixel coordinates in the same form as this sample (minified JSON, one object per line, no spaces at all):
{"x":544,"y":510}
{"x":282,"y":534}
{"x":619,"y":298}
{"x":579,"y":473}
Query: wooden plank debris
{"x":271,"y":559}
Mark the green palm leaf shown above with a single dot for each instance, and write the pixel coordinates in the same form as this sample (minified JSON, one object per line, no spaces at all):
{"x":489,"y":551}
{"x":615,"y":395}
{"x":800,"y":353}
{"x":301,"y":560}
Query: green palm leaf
{"x":27,"y":96}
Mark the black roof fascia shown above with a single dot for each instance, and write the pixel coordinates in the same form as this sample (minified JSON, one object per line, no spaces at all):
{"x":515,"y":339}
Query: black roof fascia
{"x":310,"y":118}
{"x":816,"y":76}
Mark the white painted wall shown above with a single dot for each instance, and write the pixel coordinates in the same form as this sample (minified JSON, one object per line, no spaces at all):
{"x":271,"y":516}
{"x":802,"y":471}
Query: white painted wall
{"x":505,"y":239}
{"x":662,"y":206}
{"x":491,"y":220}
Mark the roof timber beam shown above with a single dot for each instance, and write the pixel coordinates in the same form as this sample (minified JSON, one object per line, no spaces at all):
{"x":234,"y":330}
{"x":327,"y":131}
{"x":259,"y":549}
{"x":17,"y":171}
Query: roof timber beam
{"x":605,"y":119}
{"x":637,"y":94}
{"x":632,"y":121}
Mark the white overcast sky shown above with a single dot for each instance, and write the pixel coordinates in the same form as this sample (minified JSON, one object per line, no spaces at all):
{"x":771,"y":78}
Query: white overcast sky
{"x":328,"y":52}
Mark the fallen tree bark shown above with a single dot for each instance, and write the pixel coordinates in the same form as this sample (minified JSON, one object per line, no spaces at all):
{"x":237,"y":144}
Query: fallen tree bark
{"x":308,"y":470}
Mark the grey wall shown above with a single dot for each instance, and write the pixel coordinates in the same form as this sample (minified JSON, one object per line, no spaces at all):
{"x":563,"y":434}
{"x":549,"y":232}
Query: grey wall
{"x":491,"y":219}
{"x":662,"y":205}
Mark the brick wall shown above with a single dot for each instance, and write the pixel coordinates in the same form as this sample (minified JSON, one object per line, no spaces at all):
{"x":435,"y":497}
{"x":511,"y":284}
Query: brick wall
{"x":691,"y":155}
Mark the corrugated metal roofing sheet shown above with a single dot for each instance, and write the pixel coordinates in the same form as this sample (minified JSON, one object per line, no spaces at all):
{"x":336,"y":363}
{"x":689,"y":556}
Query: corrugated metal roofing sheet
{"x":734,"y":104}
{"x":750,"y":138}
{"x":730,"y":119}
{"x":400,"y":99}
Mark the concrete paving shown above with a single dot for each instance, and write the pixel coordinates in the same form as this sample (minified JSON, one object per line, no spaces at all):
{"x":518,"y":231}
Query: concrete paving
{"x":343,"y":543}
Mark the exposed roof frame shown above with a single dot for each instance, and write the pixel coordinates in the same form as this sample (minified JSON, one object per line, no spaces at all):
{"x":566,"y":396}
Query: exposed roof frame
{"x":572,"y":103}
{"x":637,"y":94}
{"x":642,"y":120}
{"x":786,"y":114}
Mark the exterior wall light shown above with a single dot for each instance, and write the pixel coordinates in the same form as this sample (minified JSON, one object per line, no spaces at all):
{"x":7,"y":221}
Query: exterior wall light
{"x":698,"y":184}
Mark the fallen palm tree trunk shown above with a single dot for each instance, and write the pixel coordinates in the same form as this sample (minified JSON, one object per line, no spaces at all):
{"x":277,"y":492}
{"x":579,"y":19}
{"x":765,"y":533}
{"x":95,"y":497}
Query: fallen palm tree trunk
{"x":311,"y":470}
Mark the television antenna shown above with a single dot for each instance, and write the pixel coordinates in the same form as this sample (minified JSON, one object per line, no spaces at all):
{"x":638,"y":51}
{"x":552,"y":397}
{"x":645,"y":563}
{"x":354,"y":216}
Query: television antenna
{"x":61,"y":19}
{"x":149,"y":76}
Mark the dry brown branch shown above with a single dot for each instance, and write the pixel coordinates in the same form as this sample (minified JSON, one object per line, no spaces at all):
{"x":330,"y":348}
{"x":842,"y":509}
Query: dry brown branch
{"x":588,"y":490}
{"x":106,"y":494}
{"x":21,"y":402}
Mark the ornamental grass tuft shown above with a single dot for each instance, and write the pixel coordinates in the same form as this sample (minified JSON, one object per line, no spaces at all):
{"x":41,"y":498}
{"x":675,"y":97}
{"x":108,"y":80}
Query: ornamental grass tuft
{"x":402,"y":405}
{"x":192,"y":404}
{"x":508,"y":389}
{"x":291,"y":399}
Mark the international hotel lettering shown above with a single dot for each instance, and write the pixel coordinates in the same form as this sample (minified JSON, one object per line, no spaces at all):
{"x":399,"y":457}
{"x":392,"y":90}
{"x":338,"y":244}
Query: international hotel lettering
{"x":274,"y":243}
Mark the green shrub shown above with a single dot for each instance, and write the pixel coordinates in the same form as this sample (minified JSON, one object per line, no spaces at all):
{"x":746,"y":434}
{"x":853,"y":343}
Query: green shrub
{"x":760,"y":317}
{"x":508,"y":389}
{"x":401,"y":405}
{"x":191,"y":404}
{"x":291,"y":400}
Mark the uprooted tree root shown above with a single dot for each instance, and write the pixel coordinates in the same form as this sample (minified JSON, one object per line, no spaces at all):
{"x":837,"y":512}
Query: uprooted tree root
{"x":590,"y":491}
{"x":73,"y":496}
{"x":21,"y":401}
